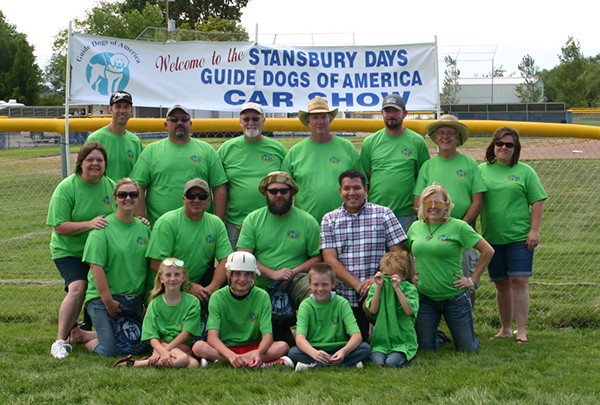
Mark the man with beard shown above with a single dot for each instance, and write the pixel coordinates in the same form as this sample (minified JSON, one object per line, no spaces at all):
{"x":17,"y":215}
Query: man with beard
{"x":123,"y":148}
{"x":392,"y":158}
{"x":285,"y":241}
{"x":165,"y":166}
{"x":246,"y":160}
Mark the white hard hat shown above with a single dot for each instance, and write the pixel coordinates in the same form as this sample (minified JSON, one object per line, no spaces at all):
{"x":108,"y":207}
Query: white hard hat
{"x":242,"y":261}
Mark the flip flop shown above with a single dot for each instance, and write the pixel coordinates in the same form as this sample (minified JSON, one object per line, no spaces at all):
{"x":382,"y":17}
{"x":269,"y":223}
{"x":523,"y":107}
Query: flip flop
{"x":124,"y":362}
{"x":521,"y":341}
{"x":499,"y":337}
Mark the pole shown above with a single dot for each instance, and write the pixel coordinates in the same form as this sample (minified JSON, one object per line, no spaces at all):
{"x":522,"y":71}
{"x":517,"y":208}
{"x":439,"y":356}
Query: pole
{"x":167,"y":19}
{"x":437,"y":78}
{"x":65,"y":162}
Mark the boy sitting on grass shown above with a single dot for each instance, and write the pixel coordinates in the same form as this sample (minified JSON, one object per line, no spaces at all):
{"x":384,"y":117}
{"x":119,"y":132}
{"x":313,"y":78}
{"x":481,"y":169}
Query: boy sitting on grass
{"x":327,"y":333}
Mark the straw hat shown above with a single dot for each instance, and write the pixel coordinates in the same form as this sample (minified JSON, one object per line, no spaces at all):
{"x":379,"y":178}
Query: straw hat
{"x":448,"y":120}
{"x":316,"y":105}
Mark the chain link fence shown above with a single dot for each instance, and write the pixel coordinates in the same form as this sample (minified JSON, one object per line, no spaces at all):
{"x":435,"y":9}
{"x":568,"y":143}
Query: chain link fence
{"x":564,"y":288}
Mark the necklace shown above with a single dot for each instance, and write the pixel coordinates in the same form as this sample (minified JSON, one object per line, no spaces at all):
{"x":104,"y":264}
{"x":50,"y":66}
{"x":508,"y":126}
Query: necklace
{"x":430,"y":236}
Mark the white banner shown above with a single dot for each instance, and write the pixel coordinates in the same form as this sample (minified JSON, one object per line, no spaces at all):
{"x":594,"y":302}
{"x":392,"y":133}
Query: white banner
{"x":221,"y":76}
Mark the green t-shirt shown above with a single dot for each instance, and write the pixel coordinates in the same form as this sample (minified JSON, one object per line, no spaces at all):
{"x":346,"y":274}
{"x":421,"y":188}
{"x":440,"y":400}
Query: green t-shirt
{"x":440,"y":258}
{"x":245,"y":164}
{"x":394,"y":163}
{"x":506,"y":213}
{"x":460,"y":176}
{"x":122,"y":150}
{"x":164,"y":167}
{"x":197,"y":243}
{"x":394,"y":331}
{"x":280,"y":242}
{"x":163,"y":321}
{"x":120,"y":249}
{"x":74,"y":200}
{"x":240,"y":322}
{"x":326,"y":325}
{"x":316,"y":168}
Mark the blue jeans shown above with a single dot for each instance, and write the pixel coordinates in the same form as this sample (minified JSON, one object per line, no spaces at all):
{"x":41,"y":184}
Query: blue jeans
{"x":394,"y":359}
{"x":511,"y":260}
{"x":121,"y":335}
{"x":361,"y":353}
{"x":458,"y":316}
{"x":406,"y":221}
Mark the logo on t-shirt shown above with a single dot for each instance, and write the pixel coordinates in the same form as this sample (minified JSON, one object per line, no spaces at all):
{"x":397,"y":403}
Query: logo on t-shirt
{"x":513,"y":178}
{"x":130,"y":154}
{"x":334,"y":160}
{"x":195,"y":159}
{"x":210,"y":240}
{"x":462,"y":173}
{"x":335,"y":321}
{"x":406,"y":152}
{"x":443,"y":238}
{"x":293,"y":235}
{"x":253,"y":317}
{"x":266,"y":158}
{"x":107,"y":201}
{"x":142,"y":241}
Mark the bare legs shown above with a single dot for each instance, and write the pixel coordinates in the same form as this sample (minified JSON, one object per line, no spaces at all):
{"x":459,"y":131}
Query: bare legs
{"x":512,"y":296}
{"x":71,"y":308}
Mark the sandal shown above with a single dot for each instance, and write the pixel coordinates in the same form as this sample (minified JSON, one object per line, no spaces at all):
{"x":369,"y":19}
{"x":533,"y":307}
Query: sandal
{"x":124,"y":362}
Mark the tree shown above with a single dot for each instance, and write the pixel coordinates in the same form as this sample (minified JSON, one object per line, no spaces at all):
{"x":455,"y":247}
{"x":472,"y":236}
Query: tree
{"x":530,"y":91}
{"x":19,"y":74}
{"x":450,"y":87}
{"x":214,"y":29}
{"x":568,"y":80}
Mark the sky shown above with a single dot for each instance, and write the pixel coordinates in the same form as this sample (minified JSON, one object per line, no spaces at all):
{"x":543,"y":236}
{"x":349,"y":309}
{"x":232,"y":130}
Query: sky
{"x":479,"y":35}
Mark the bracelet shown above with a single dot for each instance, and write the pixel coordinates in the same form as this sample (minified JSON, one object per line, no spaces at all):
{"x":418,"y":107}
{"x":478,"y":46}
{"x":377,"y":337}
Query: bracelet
{"x":471,"y":281}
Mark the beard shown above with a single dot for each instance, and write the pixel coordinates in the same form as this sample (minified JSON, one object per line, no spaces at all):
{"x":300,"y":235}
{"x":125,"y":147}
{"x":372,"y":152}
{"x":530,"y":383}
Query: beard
{"x":252,"y":132}
{"x":280,"y":209}
{"x":393,"y":125}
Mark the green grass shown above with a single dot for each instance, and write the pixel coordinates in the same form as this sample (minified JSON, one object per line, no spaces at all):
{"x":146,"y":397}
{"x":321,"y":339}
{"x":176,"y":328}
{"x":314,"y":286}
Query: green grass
{"x":556,"y":367}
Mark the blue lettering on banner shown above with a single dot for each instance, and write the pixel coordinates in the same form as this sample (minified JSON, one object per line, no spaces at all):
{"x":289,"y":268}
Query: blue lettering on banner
{"x":238,"y":97}
{"x":386,"y":58}
{"x":362,"y":99}
{"x":277,"y":57}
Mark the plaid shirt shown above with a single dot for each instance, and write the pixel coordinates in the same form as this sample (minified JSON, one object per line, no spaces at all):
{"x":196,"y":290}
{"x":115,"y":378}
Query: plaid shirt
{"x":360,"y":240}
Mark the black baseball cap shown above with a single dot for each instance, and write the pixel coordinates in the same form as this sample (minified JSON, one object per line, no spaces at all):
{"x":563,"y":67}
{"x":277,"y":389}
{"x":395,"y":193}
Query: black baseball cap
{"x":120,"y":96}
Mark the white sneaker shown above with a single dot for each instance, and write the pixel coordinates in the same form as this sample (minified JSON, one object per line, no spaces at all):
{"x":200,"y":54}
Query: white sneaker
{"x":284,"y":361}
{"x":60,"y":349}
{"x":204,"y":363}
{"x":304,"y":366}
{"x":359,"y":364}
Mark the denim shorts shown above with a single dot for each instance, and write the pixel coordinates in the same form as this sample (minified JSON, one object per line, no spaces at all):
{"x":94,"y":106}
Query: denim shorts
{"x":72,"y":269}
{"x":511,"y":260}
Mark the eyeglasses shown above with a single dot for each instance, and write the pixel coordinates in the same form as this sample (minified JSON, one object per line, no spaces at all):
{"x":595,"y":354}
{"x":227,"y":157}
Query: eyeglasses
{"x":449,"y":133}
{"x":274,"y":191}
{"x":174,"y":118}
{"x":192,"y":196}
{"x":254,"y":118}
{"x":171,"y":262}
{"x":121,"y":195}
{"x":500,"y":144}
{"x":438,"y":204}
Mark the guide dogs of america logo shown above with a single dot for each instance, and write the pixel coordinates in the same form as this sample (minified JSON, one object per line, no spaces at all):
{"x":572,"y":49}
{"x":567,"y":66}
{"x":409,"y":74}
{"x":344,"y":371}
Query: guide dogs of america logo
{"x":108,"y":72}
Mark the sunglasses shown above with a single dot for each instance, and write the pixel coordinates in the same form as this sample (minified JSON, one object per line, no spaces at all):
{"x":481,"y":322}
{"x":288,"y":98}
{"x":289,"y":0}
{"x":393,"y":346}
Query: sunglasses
{"x":176,"y":262}
{"x":438,"y":204}
{"x":274,"y":191}
{"x":192,"y":196}
{"x":174,"y":118}
{"x":121,"y":195}
{"x":500,"y":144}
{"x":449,"y":133}
{"x":255,"y":118}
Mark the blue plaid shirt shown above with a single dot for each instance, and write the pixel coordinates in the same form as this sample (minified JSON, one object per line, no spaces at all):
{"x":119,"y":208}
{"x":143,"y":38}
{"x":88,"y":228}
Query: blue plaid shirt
{"x":360,"y":240}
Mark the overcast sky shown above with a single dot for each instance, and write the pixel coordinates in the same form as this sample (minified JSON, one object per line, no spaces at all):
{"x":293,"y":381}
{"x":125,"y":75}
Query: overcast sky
{"x":475,"y":33}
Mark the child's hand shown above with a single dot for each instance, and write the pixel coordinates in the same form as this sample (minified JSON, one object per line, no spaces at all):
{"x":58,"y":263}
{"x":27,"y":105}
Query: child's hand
{"x":166,"y":359}
{"x":154,"y":359}
{"x":378,"y":278}
{"x":255,"y":360}
{"x":396,"y":281}
{"x":322,"y":357}
{"x":337,"y":357}
{"x":113,"y":307}
{"x":237,"y":360}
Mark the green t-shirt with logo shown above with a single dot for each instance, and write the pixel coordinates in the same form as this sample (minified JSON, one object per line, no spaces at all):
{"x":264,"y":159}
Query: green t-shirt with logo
{"x":316,"y":168}
{"x":440,"y":258}
{"x":394,"y":163}
{"x":74,"y":200}
{"x":240,"y":322}
{"x":460,"y":176}
{"x":163,"y":321}
{"x":197,"y":243}
{"x":120,"y":249}
{"x":122,"y":151}
{"x":506,"y":213}
{"x":245,"y":164}
{"x":280,"y":242}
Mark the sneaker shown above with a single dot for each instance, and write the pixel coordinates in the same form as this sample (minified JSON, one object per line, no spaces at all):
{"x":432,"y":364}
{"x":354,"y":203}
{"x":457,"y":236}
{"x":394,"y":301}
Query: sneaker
{"x":359,"y":364}
{"x":60,"y":349}
{"x":304,"y":366}
{"x":204,"y":363}
{"x":284,"y":361}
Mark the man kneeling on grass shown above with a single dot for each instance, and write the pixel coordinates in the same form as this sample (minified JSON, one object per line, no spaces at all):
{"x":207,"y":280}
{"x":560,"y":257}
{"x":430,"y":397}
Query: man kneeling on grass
{"x":327,"y":333}
{"x":239,"y":321}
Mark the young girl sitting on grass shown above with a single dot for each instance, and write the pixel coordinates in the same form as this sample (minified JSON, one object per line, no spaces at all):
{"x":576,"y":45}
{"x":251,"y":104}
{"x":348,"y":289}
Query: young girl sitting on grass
{"x":393,"y":302}
{"x":172,"y":320}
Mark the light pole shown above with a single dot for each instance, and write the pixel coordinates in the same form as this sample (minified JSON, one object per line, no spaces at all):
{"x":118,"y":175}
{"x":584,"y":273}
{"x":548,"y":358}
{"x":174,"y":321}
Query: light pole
{"x":167,"y":17}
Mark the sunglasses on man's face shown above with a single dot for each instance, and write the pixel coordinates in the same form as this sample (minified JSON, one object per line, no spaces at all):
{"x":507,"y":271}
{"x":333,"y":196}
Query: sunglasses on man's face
{"x":254,"y":118}
{"x":192,"y":196}
{"x":174,"y":118}
{"x":274,"y":191}
{"x":509,"y":145}
{"x":121,"y":195}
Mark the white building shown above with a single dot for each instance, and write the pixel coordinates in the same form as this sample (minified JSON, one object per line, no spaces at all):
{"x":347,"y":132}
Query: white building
{"x":491,"y":90}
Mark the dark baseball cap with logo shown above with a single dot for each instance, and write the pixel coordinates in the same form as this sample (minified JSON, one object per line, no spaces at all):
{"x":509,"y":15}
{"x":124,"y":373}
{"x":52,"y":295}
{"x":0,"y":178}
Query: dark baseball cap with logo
{"x":120,"y":96}
{"x":395,"y":101}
